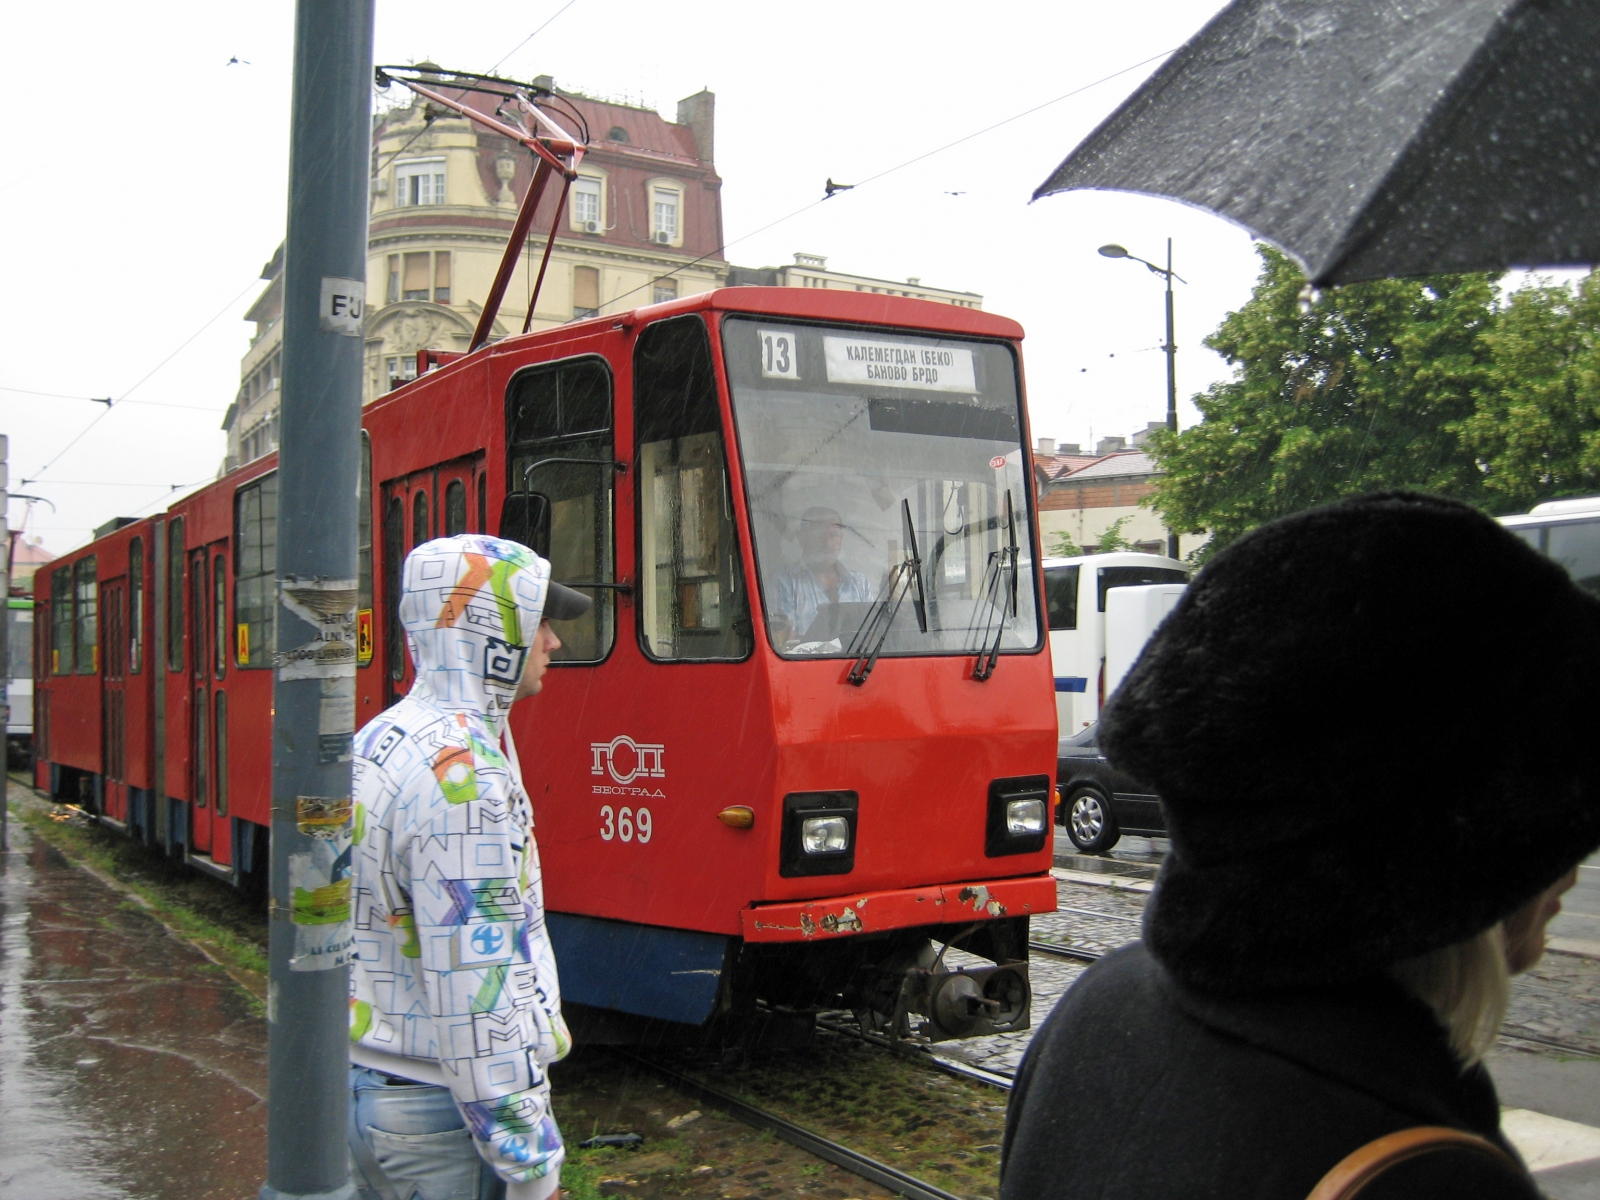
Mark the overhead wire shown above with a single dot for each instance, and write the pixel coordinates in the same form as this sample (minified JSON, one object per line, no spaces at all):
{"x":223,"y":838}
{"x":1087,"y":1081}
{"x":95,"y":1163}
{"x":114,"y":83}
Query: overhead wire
{"x":108,"y":400}
{"x":532,"y":35}
{"x":145,"y":378}
{"x":900,"y":167}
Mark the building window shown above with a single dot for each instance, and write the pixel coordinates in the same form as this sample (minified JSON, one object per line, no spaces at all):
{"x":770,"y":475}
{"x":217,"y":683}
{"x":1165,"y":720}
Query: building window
{"x":86,"y":595}
{"x":441,"y":277}
{"x":664,"y":214}
{"x":391,"y":293}
{"x":419,"y":183}
{"x":585,"y":292}
{"x":402,"y":369}
{"x":663,"y":290}
{"x":414,"y":286}
{"x":617,"y":134}
{"x":586,"y":211}
{"x":255,"y":571}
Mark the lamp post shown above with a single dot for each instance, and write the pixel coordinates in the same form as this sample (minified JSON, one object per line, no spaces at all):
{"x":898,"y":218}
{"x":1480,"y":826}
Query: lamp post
{"x":1115,"y":251}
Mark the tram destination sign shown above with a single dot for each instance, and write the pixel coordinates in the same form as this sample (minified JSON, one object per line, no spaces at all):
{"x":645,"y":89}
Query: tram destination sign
{"x":915,"y":365}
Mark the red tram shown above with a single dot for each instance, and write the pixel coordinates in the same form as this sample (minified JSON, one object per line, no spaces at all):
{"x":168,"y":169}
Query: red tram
{"x":807,"y":731}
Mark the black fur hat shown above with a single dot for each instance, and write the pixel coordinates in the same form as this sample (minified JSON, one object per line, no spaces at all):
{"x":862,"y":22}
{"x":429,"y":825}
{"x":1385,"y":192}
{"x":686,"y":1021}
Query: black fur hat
{"x":1373,"y":728}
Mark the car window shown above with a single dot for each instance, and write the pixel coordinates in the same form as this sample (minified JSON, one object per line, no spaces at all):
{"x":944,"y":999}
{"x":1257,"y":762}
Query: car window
{"x":1115,"y":577}
{"x":1084,"y":737}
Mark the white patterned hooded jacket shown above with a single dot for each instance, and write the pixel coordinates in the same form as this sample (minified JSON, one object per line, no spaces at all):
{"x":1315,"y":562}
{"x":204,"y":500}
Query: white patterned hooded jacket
{"x":454,"y":983}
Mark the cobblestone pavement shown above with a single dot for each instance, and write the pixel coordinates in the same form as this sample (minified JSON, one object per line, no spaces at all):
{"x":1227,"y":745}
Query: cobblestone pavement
{"x":1557,"y":1002}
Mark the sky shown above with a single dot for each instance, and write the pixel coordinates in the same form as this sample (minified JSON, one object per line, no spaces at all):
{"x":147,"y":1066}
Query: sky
{"x":148,"y":180}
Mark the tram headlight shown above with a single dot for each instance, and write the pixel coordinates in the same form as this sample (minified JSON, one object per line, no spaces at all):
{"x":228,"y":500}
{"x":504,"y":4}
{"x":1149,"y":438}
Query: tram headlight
{"x":824,"y":835}
{"x":1024,"y":817}
{"x":1018,"y":815}
{"x":819,"y":834}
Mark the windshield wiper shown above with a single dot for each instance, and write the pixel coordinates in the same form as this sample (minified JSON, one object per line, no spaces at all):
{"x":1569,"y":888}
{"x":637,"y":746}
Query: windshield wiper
{"x":999,"y":597}
{"x":868,"y":640}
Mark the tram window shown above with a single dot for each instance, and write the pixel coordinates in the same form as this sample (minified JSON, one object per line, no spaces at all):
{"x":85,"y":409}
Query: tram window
{"x":1061,"y":596}
{"x":693,"y":602}
{"x":135,"y":606}
{"x":199,"y":610}
{"x":419,"y":518}
{"x":394,"y":553}
{"x":563,"y":410}
{"x":219,"y":612}
{"x":86,"y":603}
{"x":1576,"y":546}
{"x":175,"y":561}
{"x":61,"y":622}
{"x":201,"y":750}
{"x":483,"y":503}
{"x":455,"y":508}
{"x":364,"y":554}
{"x":220,"y":758}
{"x":255,"y":571}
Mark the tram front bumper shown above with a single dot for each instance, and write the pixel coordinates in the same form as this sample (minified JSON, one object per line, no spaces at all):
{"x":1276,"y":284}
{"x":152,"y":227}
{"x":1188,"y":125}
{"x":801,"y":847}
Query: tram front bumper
{"x":880,"y":912}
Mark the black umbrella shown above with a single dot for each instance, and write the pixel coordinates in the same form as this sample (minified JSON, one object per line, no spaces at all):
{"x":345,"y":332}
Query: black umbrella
{"x":1374,"y":138}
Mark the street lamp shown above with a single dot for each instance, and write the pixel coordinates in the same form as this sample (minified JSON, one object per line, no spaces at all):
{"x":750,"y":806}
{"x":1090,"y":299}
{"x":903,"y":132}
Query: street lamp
{"x":1113,"y":250}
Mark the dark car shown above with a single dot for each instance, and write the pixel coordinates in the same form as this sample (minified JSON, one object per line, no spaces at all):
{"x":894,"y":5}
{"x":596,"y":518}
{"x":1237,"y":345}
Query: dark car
{"x":1098,"y":802}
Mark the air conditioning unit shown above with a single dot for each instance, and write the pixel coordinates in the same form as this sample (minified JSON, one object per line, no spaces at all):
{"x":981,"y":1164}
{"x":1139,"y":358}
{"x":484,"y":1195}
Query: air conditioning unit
{"x":591,"y":226}
{"x":663,"y":237}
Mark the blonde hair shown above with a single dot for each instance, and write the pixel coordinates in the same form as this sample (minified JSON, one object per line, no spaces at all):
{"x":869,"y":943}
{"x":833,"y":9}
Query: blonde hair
{"x":1468,"y":987}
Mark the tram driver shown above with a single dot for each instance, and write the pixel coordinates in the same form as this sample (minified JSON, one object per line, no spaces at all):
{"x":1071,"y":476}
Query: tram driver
{"x":807,"y":595}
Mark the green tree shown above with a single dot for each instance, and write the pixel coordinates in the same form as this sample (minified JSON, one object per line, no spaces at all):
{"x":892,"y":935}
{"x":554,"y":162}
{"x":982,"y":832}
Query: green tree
{"x":1535,"y":427}
{"x":1365,"y":387}
{"x":1064,"y":547}
{"x":1113,"y":538}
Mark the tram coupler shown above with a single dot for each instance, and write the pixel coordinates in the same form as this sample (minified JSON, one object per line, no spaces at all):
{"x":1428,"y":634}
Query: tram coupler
{"x":967,"y":1001}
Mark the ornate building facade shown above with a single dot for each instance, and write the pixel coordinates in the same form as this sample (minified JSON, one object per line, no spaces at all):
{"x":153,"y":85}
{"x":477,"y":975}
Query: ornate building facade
{"x":642,"y":224}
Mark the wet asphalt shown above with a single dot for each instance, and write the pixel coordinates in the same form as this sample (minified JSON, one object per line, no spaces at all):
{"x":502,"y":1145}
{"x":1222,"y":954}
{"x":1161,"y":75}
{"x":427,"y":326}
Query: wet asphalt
{"x":130,"y":1066}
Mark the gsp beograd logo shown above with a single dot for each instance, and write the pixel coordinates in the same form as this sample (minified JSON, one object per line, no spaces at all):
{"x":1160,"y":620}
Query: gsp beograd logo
{"x":626,"y":761}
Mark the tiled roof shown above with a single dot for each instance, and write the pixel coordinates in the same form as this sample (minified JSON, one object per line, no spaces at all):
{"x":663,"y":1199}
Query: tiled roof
{"x":1127,"y":462}
{"x":1056,"y":465}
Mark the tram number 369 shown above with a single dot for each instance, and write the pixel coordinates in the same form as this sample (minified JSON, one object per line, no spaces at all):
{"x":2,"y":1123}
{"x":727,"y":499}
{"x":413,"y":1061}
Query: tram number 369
{"x":626,"y":824}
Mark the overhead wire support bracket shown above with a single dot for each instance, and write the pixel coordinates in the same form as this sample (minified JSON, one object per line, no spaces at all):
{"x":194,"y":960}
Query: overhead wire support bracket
{"x":556,"y":151}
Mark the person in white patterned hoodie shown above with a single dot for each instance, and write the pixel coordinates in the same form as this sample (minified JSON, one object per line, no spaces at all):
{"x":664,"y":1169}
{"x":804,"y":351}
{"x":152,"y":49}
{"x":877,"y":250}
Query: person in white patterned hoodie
{"x":455,"y":1007}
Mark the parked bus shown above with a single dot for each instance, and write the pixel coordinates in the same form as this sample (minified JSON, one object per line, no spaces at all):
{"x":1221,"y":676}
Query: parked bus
{"x":1075,"y":597}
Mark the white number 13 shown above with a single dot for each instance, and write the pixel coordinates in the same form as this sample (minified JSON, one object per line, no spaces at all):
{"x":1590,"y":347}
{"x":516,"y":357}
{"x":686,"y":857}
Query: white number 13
{"x":625,"y":824}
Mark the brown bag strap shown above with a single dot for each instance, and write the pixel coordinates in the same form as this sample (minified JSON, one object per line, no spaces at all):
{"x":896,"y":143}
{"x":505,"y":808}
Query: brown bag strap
{"x":1364,"y":1164}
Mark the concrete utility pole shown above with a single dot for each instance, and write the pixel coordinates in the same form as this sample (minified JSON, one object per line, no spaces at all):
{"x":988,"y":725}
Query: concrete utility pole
{"x":314,"y":684}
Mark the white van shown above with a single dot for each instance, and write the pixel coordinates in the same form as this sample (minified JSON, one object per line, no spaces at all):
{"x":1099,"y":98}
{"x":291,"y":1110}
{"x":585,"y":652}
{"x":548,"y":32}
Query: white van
{"x":1569,"y":532}
{"x":1075,"y":593}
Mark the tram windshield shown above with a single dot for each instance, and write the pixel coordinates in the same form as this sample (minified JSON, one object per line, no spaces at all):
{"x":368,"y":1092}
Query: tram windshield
{"x":861,"y":447}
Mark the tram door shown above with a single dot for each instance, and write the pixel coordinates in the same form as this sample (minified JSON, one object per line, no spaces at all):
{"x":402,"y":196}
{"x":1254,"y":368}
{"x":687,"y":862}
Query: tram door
{"x":208,"y":709}
{"x":113,"y":709}
{"x":437,"y":501}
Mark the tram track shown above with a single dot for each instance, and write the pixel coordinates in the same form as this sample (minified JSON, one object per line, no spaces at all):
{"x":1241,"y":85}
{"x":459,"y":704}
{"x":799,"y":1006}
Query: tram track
{"x":854,"y":1161}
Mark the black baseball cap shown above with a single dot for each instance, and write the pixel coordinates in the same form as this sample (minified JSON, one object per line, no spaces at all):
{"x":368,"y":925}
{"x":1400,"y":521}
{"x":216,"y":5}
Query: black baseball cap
{"x":561,"y":603}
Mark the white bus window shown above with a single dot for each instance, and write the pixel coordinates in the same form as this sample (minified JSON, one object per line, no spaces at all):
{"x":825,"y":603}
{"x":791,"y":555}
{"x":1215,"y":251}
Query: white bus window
{"x":1577,"y":548}
{"x":1061,"y":596}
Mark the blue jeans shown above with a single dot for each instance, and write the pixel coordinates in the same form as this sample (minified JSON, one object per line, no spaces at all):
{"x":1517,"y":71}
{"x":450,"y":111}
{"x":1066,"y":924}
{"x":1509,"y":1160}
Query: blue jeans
{"x":414,"y":1138}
